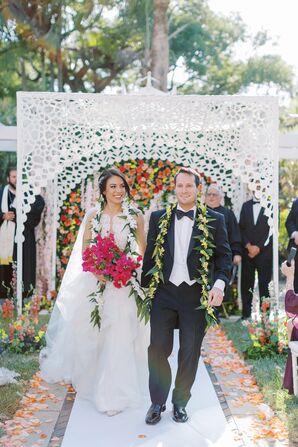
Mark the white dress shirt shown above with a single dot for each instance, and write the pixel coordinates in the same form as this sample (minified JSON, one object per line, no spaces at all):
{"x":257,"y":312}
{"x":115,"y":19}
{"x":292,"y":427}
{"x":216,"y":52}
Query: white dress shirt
{"x":183,"y":232}
{"x":256,"y":208}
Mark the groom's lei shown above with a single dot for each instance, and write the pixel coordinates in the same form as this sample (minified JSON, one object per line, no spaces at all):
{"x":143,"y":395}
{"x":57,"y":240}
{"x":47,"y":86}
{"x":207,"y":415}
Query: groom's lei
{"x":129,"y":213}
{"x":205,"y":249}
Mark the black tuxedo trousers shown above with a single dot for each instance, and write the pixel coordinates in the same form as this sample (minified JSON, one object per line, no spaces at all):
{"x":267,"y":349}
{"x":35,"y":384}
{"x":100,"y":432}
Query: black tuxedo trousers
{"x":263,"y":264}
{"x":172,"y":303}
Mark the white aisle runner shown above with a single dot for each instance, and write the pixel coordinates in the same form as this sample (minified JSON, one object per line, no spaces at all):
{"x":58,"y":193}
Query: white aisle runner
{"x":206,"y":426}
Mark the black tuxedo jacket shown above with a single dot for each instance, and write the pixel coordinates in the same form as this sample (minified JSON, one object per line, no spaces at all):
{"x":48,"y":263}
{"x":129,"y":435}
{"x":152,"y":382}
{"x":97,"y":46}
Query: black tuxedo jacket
{"x":292,"y":223}
{"x":256,"y":234}
{"x":221,"y":262}
{"x":233,"y":229}
{"x":29,"y":245}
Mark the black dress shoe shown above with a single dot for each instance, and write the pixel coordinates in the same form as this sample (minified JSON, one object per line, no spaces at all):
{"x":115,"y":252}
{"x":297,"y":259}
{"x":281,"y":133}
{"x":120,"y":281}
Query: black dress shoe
{"x":179,"y":414}
{"x":154,"y":413}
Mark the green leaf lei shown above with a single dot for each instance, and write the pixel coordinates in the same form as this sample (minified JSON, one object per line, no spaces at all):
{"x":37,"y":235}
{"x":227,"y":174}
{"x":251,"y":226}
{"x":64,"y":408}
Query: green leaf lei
{"x":205,"y":249}
{"x":129,"y":214}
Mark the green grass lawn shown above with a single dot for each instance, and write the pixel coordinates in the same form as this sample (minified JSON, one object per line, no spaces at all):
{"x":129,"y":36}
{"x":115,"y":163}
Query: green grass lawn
{"x":24,"y":364}
{"x":268,"y":372}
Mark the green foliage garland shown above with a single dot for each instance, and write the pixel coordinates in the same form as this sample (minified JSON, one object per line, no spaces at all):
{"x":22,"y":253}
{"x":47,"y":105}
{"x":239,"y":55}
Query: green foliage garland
{"x":205,"y":249}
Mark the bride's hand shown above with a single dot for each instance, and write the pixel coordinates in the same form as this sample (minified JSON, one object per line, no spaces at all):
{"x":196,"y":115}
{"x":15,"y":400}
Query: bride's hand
{"x":101,"y":279}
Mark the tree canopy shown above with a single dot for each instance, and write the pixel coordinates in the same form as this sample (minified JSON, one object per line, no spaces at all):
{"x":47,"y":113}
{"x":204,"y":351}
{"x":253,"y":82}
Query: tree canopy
{"x":87,"y":45}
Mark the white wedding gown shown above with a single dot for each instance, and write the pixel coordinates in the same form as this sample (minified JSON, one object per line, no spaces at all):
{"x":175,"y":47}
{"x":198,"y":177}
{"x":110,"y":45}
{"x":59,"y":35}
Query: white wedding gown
{"x":107,"y":367}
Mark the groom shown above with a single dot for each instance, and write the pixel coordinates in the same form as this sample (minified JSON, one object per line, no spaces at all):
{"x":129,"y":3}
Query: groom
{"x":177,"y":298}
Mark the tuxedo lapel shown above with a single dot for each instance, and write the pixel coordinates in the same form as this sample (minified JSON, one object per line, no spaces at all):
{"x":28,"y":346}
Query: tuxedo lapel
{"x":171,"y":233}
{"x":261,"y":214}
{"x":195,"y":232}
{"x":251,"y":212}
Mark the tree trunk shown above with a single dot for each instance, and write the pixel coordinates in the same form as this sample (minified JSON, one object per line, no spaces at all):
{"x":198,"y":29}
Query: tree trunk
{"x":24,"y":78}
{"x":147,"y":51}
{"x":60,"y":71}
{"x":43,"y":70}
{"x":160,"y":44}
{"x":52,"y":73}
{"x":59,"y":54}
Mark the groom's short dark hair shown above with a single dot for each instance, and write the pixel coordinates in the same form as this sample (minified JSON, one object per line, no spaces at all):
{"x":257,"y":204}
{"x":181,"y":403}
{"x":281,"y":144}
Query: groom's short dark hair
{"x":189,"y":171}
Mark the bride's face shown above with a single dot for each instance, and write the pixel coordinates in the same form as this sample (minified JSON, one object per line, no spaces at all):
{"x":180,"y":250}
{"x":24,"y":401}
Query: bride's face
{"x":115,"y":190}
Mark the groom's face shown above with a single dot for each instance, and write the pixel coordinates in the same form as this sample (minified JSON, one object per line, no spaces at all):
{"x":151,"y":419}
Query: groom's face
{"x":186,"y":190}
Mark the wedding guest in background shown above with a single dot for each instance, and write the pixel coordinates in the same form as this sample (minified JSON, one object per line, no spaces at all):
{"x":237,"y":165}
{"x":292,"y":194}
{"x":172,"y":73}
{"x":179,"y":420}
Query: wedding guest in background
{"x":8,"y":247}
{"x":29,"y":245}
{"x":7,"y":230}
{"x":214,"y":199}
{"x":291,"y":308}
{"x":292,"y":229}
{"x":257,"y":253}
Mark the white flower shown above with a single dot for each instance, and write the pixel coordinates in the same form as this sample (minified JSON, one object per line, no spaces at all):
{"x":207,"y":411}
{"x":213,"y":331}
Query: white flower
{"x":7,"y":376}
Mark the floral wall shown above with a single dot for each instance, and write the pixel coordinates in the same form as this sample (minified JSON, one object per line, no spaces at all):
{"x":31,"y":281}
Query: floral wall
{"x":152,"y":185}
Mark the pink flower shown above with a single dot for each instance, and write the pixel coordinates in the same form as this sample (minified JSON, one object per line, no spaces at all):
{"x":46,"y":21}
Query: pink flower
{"x":105,"y":258}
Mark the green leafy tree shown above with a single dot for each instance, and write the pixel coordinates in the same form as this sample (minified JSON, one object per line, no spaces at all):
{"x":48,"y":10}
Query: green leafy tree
{"x":68,"y":45}
{"x":7,"y":160}
{"x":76,"y":46}
{"x":206,"y":45}
{"x":288,"y":191}
{"x":289,"y":116}
{"x":288,"y":182}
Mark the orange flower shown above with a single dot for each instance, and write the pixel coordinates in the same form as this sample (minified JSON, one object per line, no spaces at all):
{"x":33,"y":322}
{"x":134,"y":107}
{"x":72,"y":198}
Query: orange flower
{"x":68,"y":222}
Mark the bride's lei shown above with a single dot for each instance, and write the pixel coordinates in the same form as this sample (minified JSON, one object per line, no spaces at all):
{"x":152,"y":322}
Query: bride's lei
{"x":129,"y":213}
{"x":204,"y":248}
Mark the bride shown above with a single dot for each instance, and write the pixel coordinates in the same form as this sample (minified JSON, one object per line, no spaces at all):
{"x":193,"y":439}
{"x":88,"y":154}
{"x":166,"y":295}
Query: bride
{"x":106,"y":366}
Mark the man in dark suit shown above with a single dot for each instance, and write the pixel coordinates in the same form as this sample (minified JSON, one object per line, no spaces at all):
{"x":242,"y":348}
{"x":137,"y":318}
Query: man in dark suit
{"x":292,"y":229}
{"x":179,"y":295}
{"x":213,"y":199}
{"x":8,"y":214}
{"x":257,"y":253}
{"x":7,"y":231}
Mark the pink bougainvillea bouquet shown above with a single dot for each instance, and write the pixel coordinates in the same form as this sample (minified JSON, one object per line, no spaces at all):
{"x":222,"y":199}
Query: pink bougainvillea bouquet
{"x":107,"y":259}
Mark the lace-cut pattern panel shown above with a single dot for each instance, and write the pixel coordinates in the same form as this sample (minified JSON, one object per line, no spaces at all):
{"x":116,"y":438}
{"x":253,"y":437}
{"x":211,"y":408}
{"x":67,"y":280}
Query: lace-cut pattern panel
{"x":69,"y":136}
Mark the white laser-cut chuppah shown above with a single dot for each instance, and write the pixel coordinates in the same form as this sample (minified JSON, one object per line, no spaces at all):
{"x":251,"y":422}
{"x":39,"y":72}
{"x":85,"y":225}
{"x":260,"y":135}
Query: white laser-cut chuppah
{"x":62,"y":138}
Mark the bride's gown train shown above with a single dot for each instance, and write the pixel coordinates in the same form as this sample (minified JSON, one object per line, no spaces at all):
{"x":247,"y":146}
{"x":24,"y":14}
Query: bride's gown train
{"x":107,"y":367}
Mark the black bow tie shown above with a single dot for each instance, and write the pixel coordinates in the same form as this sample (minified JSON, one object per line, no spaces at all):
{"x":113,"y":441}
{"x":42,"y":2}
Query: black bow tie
{"x":255,"y":201}
{"x":180,"y":214}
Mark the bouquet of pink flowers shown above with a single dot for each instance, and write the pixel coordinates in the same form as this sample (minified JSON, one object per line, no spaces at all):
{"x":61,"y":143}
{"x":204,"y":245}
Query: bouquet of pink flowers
{"x":105,"y":258}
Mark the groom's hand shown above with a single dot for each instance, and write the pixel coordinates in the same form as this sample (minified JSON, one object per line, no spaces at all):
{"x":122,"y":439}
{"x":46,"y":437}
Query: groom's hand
{"x":215,"y":296}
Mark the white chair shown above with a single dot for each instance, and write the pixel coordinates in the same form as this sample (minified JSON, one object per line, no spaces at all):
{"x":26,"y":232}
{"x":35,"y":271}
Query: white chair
{"x":293,"y":345}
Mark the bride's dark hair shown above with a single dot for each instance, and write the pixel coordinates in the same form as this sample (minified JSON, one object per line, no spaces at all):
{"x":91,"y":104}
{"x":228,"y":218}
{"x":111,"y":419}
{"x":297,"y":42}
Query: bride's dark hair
{"x":105,"y":175}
